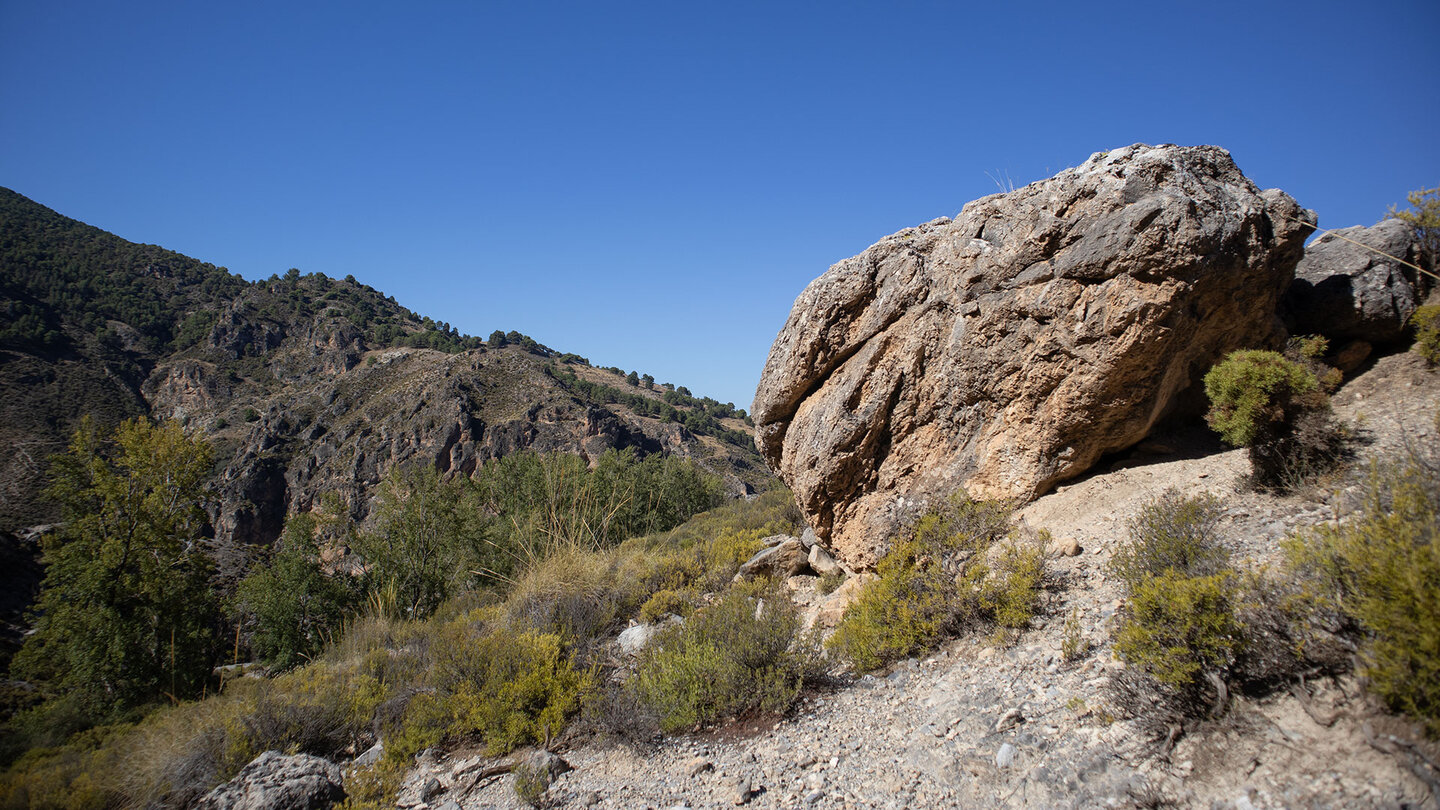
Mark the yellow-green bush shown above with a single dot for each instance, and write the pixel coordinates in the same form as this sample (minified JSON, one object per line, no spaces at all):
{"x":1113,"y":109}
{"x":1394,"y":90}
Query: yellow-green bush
{"x":1011,"y":595}
{"x":1173,"y":532}
{"x":1252,"y":393}
{"x":1179,"y":623}
{"x":83,"y":774}
{"x":1178,"y":627}
{"x":744,"y":653}
{"x":667,"y":602}
{"x":935,"y":580}
{"x":1381,"y":571}
{"x":1278,"y":409}
{"x":1426,"y":321}
{"x":508,"y":688}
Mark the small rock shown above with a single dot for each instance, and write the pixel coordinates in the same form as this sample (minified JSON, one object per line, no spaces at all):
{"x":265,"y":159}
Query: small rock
{"x":634,"y":638}
{"x":784,"y":560}
{"x":1005,"y":757}
{"x":822,"y":561}
{"x":590,"y":799}
{"x":1009,"y":720}
{"x":742,"y":792}
{"x":1066,"y":547}
{"x":697,"y":766}
{"x":430,"y":789}
{"x":371,"y":756}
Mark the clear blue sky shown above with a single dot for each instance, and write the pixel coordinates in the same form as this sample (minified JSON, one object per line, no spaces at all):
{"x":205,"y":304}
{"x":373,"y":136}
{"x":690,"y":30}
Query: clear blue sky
{"x":650,"y":185}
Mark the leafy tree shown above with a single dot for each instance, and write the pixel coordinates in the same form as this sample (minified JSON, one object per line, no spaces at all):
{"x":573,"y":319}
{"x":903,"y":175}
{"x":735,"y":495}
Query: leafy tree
{"x":648,"y":381}
{"x":293,"y":607}
{"x":632,"y":378}
{"x":1424,"y":217}
{"x":126,"y":615}
{"x":426,"y":540}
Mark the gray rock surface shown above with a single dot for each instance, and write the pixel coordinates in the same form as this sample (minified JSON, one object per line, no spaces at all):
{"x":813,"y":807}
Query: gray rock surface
{"x":783,"y":560}
{"x":1010,"y":348}
{"x":1348,"y":292}
{"x":275,"y":781}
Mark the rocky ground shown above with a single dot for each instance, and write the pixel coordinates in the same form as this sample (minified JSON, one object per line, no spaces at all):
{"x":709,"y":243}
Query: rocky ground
{"x":980,"y":725}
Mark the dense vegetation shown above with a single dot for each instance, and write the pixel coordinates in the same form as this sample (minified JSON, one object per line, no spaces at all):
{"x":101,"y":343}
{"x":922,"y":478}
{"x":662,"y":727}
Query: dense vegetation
{"x":507,"y":661}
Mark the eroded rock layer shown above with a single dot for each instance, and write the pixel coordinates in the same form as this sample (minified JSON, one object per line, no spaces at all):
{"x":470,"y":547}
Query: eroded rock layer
{"x":1010,"y":348}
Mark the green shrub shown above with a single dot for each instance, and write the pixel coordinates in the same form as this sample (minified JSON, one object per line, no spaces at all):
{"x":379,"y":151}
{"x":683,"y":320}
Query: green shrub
{"x":83,"y":774}
{"x":293,"y":607}
{"x":1280,"y":411}
{"x":1179,"y":624}
{"x":1178,"y":627}
{"x":1173,"y":532}
{"x":1012,"y":594}
{"x":508,"y":688}
{"x":531,"y":782}
{"x":1381,"y":572}
{"x":744,"y":653}
{"x":934,"y":581}
{"x":665,"y":603}
{"x":1427,"y":333}
{"x":1254,"y":394}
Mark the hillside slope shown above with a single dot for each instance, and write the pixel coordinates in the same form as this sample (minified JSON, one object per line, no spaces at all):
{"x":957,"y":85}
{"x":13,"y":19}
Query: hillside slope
{"x":305,"y":384}
{"x":977,"y":724}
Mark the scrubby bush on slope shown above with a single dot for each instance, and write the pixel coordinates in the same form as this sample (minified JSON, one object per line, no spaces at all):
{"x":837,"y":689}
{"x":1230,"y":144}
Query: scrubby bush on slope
{"x":938,"y":579}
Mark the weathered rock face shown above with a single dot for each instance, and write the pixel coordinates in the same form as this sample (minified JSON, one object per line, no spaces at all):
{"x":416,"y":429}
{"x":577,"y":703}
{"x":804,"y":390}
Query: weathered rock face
{"x":274,"y":781}
{"x":1347,"y":292}
{"x":1010,"y":348}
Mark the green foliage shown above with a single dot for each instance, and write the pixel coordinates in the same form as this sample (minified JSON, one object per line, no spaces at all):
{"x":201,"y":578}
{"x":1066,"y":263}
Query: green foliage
{"x":936,"y":581}
{"x":531,"y":782}
{"x":1178,"y":627}
{"x":1424,"y":217}
{"x":667,"y":603}
{"x":744,"y":653}
{"x":1381,"y":572}
{"x":1426,"y":321}
{"x":291,"y":605}
{"x":427,"y":538}
{"x":509,"y":688}
{"x":1179,"y":623}
{"x":1173,"y":532}
{"x":125,"y":614}
{"x":545,"y":503}
{"x":1280,"y":410}
{"x":1012,"y":594}
{"x":1256,"y":394}
{"x":81,"y":774}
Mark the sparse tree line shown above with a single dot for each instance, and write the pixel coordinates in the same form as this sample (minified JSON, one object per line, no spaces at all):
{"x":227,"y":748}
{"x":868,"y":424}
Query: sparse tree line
{"x":700,"y":416}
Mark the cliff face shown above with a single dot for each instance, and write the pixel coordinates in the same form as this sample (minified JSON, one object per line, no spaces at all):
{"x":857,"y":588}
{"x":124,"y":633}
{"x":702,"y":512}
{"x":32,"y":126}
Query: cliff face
{"x":1010,"y":348}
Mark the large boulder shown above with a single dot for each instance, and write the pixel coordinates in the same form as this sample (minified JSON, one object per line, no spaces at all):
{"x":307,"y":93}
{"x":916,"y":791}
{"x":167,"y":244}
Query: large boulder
{"x":275,"y":781}
{"x":1348,"y":286}
{"x":1010,"y":348}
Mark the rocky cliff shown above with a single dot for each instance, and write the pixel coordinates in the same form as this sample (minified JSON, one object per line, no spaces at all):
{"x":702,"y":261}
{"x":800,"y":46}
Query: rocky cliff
{"x":1010,"y":348}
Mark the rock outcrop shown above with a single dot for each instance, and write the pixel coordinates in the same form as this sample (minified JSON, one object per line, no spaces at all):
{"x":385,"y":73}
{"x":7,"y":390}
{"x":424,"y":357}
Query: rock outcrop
{"x":1345,"y":289}
{"x":274,"y":781}
{"x":1010,"y":348}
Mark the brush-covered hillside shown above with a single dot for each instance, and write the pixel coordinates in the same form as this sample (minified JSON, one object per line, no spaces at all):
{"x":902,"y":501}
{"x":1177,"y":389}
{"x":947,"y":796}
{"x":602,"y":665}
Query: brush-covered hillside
{"x":302,"y":385}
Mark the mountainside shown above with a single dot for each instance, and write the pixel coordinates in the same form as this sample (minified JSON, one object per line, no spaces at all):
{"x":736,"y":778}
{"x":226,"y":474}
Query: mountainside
{"x":305,"y":384}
